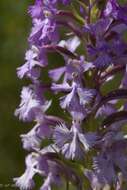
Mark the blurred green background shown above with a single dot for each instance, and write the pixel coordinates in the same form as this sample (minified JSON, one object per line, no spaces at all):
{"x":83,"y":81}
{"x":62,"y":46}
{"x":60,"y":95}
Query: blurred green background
{"x":14,"y":29}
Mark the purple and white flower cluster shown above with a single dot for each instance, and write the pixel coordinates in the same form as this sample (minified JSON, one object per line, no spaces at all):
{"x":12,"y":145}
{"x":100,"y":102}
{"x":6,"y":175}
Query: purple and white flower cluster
{"x":87,"y":141}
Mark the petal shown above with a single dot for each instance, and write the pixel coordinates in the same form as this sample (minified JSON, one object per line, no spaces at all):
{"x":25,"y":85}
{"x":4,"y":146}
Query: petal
{"x":31,"y":140}
{"x":88,"y":140}
{"x":71,"y":44}
{"x":62,"y":135}
{"x":66,"y":100}
{"x":86,"y":95}
{"x":93,"y":179}
{"x":56,"y":74}
{"x":25,"y":182}
{"x":47,"y":183}
{"x":61,"y":87}
{"x":102,"y":61}
{"x":73,"y":149}
{"x":104,"y":169}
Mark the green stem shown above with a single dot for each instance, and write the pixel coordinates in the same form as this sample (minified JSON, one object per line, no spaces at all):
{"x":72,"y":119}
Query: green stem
{"x":67,"y":185}
{"x":77,"y":16}
{"x":89,"y":12}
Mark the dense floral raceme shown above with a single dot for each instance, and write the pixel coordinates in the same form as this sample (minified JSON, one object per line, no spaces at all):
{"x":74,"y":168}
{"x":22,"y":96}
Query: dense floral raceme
{"x":78,"y":101}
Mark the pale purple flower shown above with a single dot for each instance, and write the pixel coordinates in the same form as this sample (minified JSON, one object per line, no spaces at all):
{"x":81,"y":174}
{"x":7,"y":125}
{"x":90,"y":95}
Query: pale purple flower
{"x":26,"y":180}
{"x":77,"y":100}
{"x":99,"y":28}
{"x":116,"y":11}
{"x":31,"y":105}
{"x":72,"y":143}
{"x":56,"y":74}
{"x":31,"y":140}
{"x":47,"y":183}
{"x":53,"y":176}
{"x":104,"y":169}
{"x":41,"y":131}
{"x":103,"y":60}
{"x":92,"y":118}
{"x":36,"y":10}
{"x":62,"y":135}
{"x":74,"y":69}
{"x":106,"y":110}
{"x":71,"y":44}
{"x":100,"y":55}
{"x":43,"y":32}
{"x":29,"y":69}
{"x":94,"y":181}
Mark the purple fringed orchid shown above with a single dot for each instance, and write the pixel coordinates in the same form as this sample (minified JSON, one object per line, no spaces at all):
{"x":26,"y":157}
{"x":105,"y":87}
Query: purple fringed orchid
{"x":84,"y":138}
{"x":32,"y":103}
{"x":73,"y":143}
{"x":31,"y":67}
{"x":26,"y":180}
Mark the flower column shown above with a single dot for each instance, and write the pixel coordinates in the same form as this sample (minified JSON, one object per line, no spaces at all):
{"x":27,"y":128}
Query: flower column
{"x":94,"y":50}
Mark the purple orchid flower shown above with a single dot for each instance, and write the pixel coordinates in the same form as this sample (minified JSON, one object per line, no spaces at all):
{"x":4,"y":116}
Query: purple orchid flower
{"x":31,"y":104}
{"x":87,"y":136}
{"x":70,"y":141}
{"x":26,"y":180}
